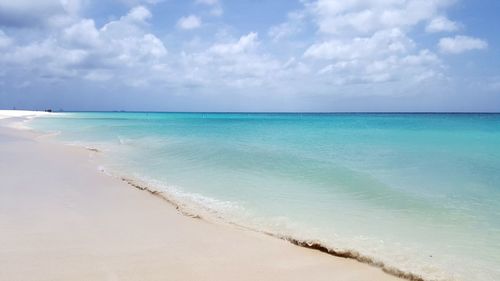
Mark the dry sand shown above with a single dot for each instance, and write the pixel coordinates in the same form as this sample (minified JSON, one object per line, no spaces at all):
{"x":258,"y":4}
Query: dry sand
{"x":62,"y":219}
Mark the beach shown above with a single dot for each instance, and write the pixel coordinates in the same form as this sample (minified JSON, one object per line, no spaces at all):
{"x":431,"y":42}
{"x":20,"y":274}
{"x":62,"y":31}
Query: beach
{"x":249,"y":140}
{"x":64,"y":219}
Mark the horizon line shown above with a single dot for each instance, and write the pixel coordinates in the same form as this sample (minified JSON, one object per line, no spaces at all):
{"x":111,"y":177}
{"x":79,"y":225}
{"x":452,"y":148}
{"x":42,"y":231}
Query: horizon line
{"x":262,"y":112}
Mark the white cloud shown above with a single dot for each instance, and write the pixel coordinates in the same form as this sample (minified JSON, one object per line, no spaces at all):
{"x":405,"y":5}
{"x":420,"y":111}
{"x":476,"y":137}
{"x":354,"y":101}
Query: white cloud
{"x":460,"y":44}
{"x":440,"y":24}
{"x":126,"y":42}
{"x":365,"y":16}
{"x":82,"y":50}
{"x":238,"y":63}
{"x":382,"y":43}
{"x":245,"y":43}
{"x":369,"y":41}
{"x":131,"y":24}
{"x":410,"y":68}
{"x":138,"y":14}
{"x":83,"y":33}
{"x":72,"y":7}
{"x":189,"y":22}
{"x":47,"y":59}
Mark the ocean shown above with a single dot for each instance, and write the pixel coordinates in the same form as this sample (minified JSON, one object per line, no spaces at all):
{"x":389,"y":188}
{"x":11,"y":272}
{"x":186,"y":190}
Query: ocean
{"x":417,"y":192}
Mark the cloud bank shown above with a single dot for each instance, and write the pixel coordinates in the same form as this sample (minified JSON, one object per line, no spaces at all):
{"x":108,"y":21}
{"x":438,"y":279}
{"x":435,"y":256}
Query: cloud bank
{"x":324,"y":47}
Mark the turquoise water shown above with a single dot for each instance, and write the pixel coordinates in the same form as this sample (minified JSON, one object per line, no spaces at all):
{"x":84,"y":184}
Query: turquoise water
{"x":419,"y":192}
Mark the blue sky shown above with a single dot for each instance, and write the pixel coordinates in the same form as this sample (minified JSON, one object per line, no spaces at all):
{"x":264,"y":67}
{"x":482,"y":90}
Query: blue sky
{"x":279,"y":55}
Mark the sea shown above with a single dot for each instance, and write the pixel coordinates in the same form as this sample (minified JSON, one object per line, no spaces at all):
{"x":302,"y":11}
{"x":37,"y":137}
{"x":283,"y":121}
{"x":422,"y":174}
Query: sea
{"x":413,"y":193}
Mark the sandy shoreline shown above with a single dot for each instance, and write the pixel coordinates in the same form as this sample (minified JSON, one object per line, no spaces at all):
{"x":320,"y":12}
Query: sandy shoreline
{"x":63,"y":219}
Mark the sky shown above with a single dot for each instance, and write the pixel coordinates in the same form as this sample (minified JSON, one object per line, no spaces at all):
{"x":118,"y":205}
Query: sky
{"x":250,"y":55}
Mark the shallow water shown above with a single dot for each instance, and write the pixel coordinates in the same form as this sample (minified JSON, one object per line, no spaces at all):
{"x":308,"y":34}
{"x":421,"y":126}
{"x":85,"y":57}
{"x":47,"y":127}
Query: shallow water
{"x":419,"y":192}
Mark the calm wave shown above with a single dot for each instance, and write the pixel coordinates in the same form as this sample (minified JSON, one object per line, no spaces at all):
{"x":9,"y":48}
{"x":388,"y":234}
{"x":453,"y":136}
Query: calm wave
{"x":418,"y":192}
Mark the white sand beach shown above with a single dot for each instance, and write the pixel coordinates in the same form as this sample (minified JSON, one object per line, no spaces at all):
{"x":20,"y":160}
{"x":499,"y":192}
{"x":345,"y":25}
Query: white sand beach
{"x":63,"y":219}
{"x":4,"y":114}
